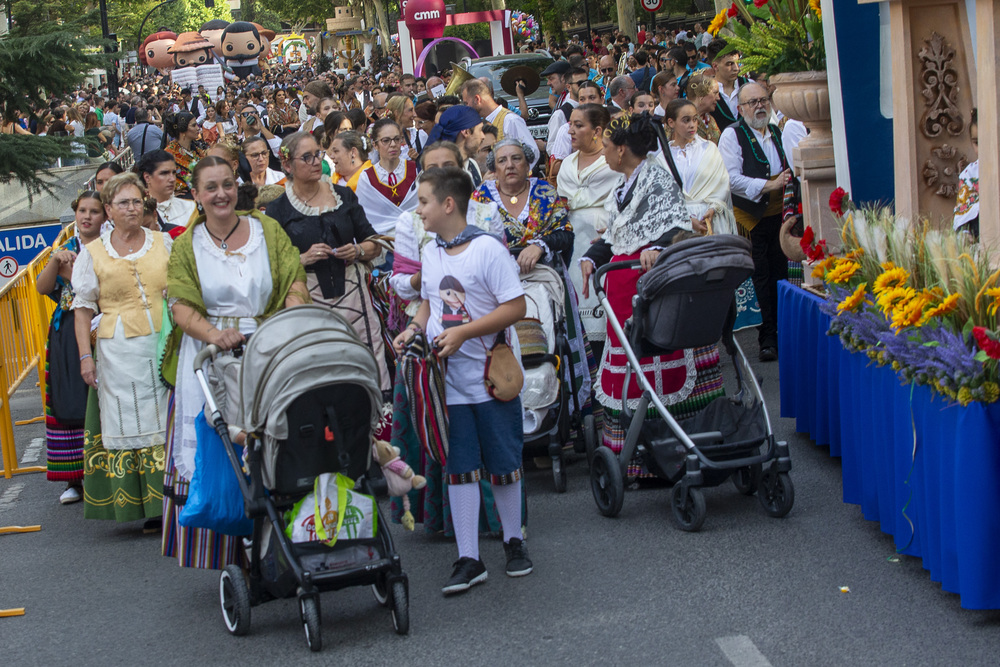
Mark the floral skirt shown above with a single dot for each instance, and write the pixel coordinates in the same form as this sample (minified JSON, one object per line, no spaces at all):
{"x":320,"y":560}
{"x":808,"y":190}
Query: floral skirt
{"x":119,"y":484}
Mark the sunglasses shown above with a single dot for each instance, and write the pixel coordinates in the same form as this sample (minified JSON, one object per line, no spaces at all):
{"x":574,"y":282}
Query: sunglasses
{"x":607,"y":69}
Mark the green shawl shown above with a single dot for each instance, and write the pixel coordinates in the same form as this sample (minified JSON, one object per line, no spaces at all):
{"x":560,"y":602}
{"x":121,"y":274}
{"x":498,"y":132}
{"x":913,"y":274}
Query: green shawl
{"x":184,"y":285}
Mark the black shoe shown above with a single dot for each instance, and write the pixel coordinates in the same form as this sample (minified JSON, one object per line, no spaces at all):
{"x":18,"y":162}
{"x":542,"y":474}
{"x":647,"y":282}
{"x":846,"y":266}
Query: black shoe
{"x":518,"y":563}
{"x":152,"y":526}
{"x":768,"y":354}
{"x":467,"y":573}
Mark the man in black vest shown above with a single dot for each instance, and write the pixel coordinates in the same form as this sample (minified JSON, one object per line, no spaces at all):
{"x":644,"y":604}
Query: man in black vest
{"x":758,"y":174}
{"x":727,"y":73}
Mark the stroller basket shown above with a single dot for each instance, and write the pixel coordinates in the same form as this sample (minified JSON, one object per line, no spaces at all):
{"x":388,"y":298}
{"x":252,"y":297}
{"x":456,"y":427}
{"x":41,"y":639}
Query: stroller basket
{"x":684,"y":300}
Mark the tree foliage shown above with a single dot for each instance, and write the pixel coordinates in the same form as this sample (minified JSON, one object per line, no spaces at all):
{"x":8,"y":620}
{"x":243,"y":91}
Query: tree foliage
{"x":306,"y":11}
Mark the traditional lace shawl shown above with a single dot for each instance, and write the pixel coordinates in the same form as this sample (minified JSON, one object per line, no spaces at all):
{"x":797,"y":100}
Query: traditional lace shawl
{"x":657,"y":206}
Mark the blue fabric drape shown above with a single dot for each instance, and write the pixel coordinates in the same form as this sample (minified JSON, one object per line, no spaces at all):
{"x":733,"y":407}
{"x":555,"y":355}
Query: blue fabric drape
{"x":864,"y":413}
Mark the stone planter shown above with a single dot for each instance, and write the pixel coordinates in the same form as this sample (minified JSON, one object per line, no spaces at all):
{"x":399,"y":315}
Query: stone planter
{"x":805,"y":97}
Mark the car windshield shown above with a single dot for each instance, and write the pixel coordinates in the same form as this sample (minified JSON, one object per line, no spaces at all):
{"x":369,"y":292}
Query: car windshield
{"x":495,"y":69}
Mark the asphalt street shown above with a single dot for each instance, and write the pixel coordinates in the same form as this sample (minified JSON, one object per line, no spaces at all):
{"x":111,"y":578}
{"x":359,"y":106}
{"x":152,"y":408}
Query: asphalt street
{"x":747,"y":590}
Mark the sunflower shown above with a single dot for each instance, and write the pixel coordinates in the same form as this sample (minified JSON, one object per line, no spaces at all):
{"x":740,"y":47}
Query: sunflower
{"x":856,"y":253}
{"x":949,"y":304}
{"x":820,"y":269}
{"x":891,"y":299}
{"x":842,"y":271}
{"x":852,"y":302}
{"x":993,"y":293}
{"x":814,"y":5}
{"x":908,"y":313}
{"x":894,"y":277}
{"x":717,"y":23}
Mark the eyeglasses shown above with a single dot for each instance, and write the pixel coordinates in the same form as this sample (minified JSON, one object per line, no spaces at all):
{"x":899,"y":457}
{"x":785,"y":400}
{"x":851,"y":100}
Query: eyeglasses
{"x":605,"y":70}
{"x":388,"y":141}
{"x":125,"y":204}
{"x":312,"y":158}
{"x":757,"y":102}
{"x":257,"y":156}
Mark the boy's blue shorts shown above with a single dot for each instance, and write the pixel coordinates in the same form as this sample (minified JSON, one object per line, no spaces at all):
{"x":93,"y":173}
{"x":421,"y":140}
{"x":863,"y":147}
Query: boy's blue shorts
{"x":489,"y":435}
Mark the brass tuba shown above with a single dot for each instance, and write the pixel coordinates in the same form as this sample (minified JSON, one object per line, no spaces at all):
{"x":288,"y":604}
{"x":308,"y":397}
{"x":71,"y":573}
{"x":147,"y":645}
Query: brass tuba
{"x":459,"y":75}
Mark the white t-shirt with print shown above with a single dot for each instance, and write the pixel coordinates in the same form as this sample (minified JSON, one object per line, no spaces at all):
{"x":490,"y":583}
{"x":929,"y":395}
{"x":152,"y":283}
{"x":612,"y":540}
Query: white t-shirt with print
{"x":474,"y":282}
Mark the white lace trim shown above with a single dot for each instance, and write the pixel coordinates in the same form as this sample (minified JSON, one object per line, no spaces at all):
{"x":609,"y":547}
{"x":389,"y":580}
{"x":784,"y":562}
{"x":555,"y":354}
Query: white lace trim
{"x":656,"y":367}
{"x":495,"y":193}
{"x":304,"y":208}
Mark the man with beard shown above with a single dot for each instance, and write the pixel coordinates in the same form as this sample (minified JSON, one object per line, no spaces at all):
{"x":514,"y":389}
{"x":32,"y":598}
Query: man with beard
{"x":758,"y":173}
{"x":312,"y":94}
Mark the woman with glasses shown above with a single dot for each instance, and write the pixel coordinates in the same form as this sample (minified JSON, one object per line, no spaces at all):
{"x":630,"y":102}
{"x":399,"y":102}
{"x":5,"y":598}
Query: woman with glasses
{"x":389,"y":186}
{"x":122,"y":275}
{"x":337,"y":245}
{"x":257,"y":153}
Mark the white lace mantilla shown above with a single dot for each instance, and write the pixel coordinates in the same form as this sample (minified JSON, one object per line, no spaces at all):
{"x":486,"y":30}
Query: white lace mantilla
{"x":657,"y":206}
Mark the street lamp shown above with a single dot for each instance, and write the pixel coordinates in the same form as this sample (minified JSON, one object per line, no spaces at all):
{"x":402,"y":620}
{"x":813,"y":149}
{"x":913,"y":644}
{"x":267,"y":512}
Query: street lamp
{"x":138,"y":44}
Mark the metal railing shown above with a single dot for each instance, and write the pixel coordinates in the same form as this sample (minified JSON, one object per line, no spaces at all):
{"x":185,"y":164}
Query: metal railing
{"x":24,"y":320}
{"x":126,"y":159}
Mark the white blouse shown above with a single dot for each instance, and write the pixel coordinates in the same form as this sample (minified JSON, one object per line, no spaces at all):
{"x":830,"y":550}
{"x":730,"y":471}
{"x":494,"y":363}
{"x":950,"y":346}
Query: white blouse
{"x":87,"y":289}
{"x":688,"y":158}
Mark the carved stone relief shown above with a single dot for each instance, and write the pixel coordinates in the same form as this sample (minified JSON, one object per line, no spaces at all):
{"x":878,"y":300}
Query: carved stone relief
{"x":942,"y":169}
{"x":940,"y":89}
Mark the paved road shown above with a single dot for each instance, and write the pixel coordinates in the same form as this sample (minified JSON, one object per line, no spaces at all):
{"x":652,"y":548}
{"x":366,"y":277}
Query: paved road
{"x":747,"y":590}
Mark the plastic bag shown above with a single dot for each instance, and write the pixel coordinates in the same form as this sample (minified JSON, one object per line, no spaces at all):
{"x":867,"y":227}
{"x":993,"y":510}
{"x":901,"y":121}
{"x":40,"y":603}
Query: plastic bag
{"x":332,"y":511}
{"x":214,"y":498}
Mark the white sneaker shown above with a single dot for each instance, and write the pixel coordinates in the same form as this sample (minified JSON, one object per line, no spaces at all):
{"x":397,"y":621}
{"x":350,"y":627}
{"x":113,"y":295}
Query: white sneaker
{"x":70,"y":495}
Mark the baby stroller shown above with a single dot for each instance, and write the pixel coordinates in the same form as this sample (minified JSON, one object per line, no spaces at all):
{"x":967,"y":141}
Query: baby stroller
{"x":549,"y":399}
{"x":308,"y":396}
{"x":687,"y":300}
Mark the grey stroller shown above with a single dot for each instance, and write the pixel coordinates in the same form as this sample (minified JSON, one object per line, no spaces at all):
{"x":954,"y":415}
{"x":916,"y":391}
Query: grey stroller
{"x":307,"y":394}
{"x":688,"y":300}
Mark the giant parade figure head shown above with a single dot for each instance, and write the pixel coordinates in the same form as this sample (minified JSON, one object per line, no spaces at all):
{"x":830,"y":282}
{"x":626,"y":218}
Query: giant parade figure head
{"x":241,"y":47}
{"x":154,"y":51}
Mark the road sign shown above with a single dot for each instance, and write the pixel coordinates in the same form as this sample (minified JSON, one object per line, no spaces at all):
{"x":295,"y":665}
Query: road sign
{"x":8,"y":267}
{"x":652,"y":5}
{"x":20,"y":245}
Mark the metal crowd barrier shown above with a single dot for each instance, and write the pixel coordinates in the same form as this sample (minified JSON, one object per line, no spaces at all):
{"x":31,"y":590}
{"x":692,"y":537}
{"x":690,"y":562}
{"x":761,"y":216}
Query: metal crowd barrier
{"x":125,"y":158}
{"x":24,"y":320}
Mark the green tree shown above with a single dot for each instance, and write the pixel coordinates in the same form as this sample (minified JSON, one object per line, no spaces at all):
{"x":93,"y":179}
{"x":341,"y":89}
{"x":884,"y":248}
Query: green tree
{"x":48,"y":50}
{"x":293,"y":11}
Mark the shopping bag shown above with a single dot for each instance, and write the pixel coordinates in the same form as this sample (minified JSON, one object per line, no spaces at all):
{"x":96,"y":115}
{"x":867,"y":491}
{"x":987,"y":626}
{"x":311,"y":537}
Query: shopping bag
{"x":214,"y":498}
{"x":332,"y":511}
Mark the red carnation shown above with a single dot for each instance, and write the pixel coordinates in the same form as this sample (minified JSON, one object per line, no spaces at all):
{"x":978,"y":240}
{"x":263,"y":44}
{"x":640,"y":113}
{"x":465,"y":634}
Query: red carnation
{"x":813,"y":253}
{"x":837,"y":198}
{"x":733,"y":11}
{"x":759,"y":3}
{"x":987,"y":343}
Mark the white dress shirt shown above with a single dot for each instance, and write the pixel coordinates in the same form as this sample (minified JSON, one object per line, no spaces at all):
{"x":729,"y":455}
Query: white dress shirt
{"x":515,"y":127}
{"x":562,"y":143}
{"x":732,"y":156}
{"x":556,"y":121}
{"x":688,"y":158}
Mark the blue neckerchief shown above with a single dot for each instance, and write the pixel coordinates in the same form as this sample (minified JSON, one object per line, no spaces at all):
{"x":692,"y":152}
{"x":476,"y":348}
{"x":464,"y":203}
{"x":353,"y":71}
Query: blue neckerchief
{"x":470,"y":232}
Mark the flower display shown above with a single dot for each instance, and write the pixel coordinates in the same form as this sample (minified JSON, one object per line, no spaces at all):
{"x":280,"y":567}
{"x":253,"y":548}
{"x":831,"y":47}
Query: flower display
{"x":814,"y":251}
{"x":837,"y":198}
{"x":733,"y":11}
{"x":774,"y":36}
{"x":718,"y":22}
{"x":921,"y":301}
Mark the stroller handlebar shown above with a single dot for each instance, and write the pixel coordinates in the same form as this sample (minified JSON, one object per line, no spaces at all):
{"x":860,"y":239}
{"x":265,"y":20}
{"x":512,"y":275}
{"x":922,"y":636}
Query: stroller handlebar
{"x":206,"y":354}
{"x":611,"y":266}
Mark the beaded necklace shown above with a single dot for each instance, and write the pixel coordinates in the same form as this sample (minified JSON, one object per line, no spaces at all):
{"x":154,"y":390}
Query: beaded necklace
{"x":775,"y":136}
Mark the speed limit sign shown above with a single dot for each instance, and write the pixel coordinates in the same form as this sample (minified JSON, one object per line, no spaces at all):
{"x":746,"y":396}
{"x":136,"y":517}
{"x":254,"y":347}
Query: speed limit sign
{"x":652,"y":5}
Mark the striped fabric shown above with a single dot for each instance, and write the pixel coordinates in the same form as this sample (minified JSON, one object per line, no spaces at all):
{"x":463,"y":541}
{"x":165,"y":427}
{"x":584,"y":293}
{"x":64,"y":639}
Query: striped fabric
{"x":192,"y":547}
{"x":424,"y":377}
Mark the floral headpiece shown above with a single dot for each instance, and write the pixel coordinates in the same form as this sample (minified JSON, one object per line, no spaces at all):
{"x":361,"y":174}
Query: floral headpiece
{"x":285,"y":153}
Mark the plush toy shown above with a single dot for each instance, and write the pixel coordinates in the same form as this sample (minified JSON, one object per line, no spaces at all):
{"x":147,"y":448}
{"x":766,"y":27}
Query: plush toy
{"x":399,"y":476}
{"x":241,"y":47}
{"x":154,"y":51}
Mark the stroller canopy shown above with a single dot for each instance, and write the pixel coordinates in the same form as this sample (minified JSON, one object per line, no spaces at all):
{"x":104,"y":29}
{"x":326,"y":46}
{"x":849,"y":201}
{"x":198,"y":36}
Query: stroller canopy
{"x":297,"y":350}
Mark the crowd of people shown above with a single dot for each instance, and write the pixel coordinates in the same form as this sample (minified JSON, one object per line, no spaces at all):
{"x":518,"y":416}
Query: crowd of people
{"x":404,"y":210}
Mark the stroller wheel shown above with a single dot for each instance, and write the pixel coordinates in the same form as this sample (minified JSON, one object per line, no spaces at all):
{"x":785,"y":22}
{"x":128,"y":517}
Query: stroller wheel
{"x":380,"y":589}
{"x":235,"y":599}
{"x":559,"y":473}
{"x":400,"y":607}
{"x":688,"y":505}
{"x":747,"y":479}
{"x":776,"y":493}
{"x":589,"y":437}
{"x":309,"y":611}
{"x":606,"y":482}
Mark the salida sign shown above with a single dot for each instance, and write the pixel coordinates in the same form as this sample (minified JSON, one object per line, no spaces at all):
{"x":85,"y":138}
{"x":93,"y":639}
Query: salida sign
{"x":425,"y":19}
{"x":20,"y":245}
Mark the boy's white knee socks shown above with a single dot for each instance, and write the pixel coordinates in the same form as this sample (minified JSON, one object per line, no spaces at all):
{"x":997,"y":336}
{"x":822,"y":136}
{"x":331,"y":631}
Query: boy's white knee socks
{"x":464,"y":500}
{"x":508,"y":499}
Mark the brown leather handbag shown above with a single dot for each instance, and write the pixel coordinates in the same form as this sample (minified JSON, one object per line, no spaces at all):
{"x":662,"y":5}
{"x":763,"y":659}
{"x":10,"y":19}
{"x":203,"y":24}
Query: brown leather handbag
{"x":502,"y":376}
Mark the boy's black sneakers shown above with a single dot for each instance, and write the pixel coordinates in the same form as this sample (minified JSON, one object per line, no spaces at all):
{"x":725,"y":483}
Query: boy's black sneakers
{"x":467,"y":573}
{"x":518,"y":563}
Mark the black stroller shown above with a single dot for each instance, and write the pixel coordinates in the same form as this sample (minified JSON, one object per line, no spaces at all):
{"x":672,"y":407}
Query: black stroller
{"x":688,"y":300}
{"x":307,"y":394}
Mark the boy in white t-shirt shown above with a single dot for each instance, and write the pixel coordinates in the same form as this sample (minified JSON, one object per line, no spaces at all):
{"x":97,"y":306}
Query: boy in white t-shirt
{"x":471,"y":291}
